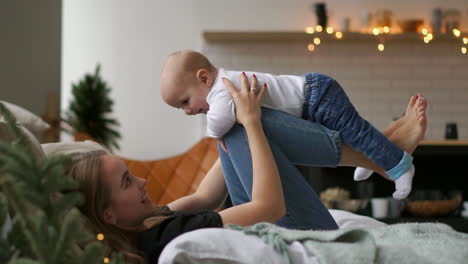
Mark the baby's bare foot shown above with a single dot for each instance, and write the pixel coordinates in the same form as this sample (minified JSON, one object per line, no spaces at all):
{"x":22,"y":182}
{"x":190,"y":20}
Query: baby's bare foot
{"x":412,"y":103}
{"x":388,"y":131}
{"x":413,"y":126}
{"x":405,"y":132}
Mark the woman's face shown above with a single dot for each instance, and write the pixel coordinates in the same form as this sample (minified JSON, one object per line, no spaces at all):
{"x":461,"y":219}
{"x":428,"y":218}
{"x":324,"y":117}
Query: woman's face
{"x":130,"y":204}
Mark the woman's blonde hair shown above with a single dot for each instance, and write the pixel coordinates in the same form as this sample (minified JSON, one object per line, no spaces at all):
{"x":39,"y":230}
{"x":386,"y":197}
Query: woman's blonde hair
{"x":87,"y":170}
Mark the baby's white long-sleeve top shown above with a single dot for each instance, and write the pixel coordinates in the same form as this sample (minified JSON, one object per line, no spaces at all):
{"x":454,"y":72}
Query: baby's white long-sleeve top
{"x":284,"y":93}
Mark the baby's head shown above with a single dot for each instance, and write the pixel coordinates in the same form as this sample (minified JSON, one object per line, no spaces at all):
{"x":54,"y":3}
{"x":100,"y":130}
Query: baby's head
{"x":186,"y":79}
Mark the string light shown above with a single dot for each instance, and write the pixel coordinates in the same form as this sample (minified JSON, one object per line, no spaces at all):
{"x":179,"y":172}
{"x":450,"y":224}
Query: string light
{"x":381,"y":47}
{"x":106,"y":260}
{"x":100,"y":237}
{"x":309,"y":30}
{"x":428,"y":37}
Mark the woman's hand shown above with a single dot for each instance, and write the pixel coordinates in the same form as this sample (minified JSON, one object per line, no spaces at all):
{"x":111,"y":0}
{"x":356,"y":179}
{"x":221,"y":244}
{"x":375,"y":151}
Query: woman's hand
{"x":247,"y":100}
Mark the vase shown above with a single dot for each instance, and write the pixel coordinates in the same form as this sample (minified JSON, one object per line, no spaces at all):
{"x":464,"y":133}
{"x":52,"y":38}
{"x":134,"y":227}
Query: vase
{"x":321,"y":12}
{"x":436,"y":20}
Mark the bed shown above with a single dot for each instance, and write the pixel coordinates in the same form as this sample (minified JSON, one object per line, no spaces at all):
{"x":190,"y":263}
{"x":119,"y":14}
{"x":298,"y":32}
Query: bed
{"x":360,"y":240}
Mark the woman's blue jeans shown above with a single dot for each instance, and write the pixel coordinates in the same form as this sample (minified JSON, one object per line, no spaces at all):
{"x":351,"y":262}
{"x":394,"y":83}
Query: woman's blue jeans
{"x":292,"y":141}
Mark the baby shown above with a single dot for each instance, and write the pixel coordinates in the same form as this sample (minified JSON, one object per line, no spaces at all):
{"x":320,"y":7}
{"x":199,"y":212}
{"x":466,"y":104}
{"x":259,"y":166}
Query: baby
{"x":190,"y":82}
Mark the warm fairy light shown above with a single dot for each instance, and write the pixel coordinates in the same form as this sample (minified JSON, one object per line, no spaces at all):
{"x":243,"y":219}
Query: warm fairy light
{"x":106,"y":260}
{"x":316,"y":41}
{"x":338,"y":35}
{"x":375,"y":31}
{"x":429,"y":36}
{"x":311,"y":47}
{"x":318,"y":28}
{"x":386,"y":29}
{"x":463,"y":50}
{"x":309,"y":30}
{"x":456,"y":32}
{"x":424,"y":31}
{"x":426,"y":39}
{"x":100,"y":237}
{"x":330,"y":30}
{"x":381,"y":47}
{"x":465,"y":41}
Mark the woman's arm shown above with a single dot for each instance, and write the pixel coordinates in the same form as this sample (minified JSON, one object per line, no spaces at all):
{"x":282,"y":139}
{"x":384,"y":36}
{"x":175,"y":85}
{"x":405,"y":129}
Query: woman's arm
{"x":267,"y":203}
{"x":210,"y":194}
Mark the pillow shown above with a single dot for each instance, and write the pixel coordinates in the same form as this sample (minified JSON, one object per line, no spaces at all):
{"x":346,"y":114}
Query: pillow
{"x":32,"y":122}
{"x":30,"y":139}
{"x":218,"y":245}
{"x":71,"y":148}
{"x":345,"y":219}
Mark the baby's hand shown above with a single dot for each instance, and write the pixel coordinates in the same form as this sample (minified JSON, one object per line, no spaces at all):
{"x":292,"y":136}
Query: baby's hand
{"x":247,"y":100}
{"x":223,"y":145}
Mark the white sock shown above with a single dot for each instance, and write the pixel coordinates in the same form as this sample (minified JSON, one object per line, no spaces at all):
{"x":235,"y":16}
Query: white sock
{"x":403,"y":184}
{"x":361,"y":174}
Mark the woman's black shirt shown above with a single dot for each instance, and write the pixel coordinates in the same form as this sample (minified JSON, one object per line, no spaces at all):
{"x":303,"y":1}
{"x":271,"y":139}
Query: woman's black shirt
{"x":152,"y":241}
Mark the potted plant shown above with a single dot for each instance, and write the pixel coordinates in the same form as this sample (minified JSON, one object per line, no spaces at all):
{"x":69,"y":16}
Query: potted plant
{"x":89,"y":109}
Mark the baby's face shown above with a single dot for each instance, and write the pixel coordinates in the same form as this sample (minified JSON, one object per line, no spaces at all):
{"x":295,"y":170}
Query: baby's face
{"x":192,"y":100}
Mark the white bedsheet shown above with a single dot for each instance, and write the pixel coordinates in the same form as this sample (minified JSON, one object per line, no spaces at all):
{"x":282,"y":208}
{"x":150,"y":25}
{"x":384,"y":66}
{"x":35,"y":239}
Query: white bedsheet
{"x":225,"y":246}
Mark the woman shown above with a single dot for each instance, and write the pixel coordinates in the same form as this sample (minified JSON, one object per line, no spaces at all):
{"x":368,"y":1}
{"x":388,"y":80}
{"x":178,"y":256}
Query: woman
{"x":117,"y":205}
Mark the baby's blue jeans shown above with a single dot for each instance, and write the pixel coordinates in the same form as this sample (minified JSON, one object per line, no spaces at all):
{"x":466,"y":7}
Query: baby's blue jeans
{"x":327,"y":103}
{"x":292,"y":141}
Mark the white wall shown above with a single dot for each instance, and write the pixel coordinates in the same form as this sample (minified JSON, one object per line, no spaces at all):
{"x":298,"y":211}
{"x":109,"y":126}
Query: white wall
{"x":131,"y":38}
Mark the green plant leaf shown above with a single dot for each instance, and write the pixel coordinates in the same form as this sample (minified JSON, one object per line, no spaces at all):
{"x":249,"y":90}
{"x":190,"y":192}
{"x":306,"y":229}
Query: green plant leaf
{"x":89,"y":109}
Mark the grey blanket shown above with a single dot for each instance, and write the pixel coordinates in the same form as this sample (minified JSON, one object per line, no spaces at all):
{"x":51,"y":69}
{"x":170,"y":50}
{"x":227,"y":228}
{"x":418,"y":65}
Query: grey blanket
{"x":399,"y":243}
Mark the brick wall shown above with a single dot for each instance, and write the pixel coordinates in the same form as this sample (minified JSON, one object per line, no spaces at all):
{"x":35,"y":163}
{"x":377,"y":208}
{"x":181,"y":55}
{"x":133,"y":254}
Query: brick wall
{"x":378,"y":83}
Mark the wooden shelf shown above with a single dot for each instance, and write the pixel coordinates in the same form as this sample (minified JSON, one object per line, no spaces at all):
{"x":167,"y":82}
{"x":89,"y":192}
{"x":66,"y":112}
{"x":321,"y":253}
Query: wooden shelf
{"x":302,"y":36}
{"x":441,"y":148}
{"x":445,"y":142}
